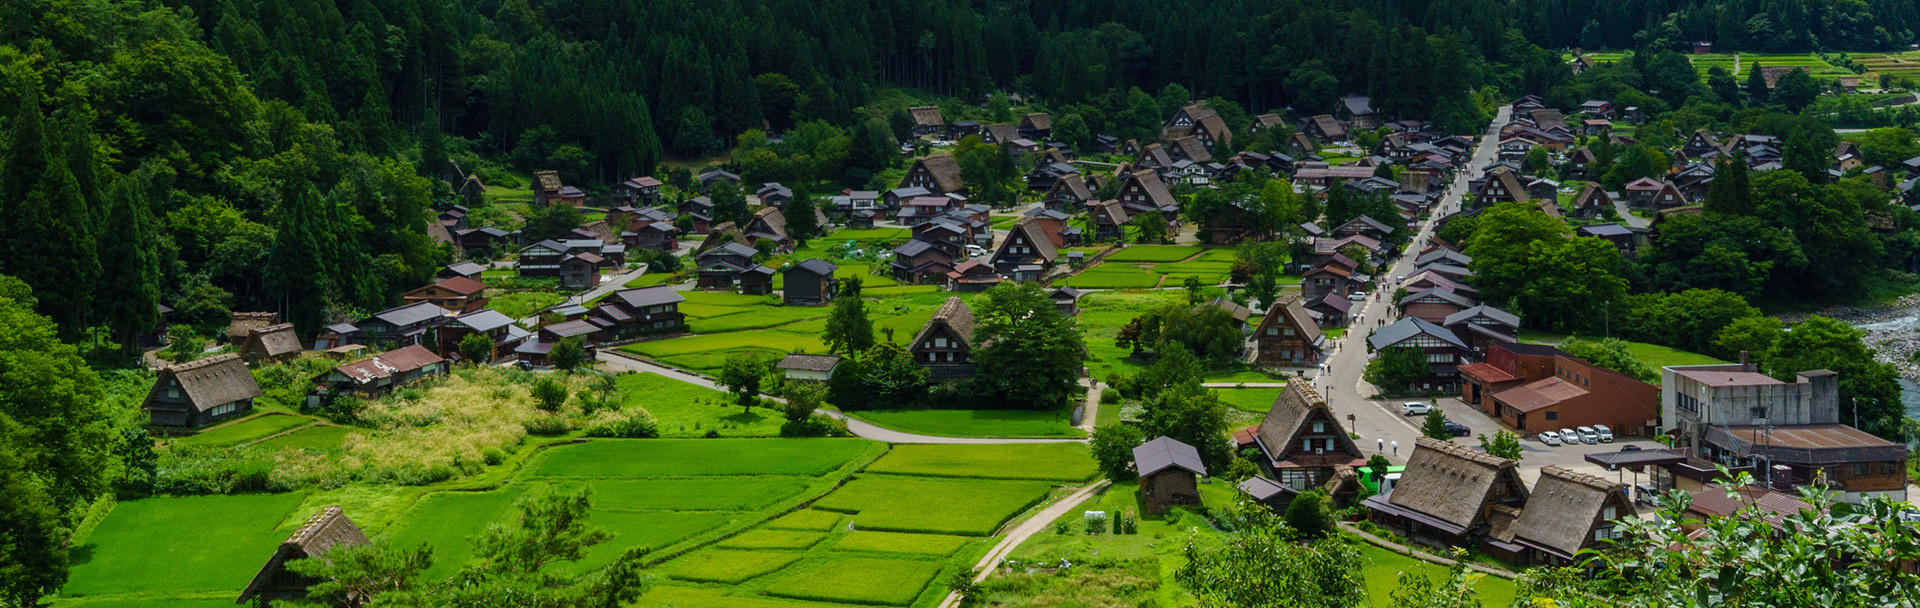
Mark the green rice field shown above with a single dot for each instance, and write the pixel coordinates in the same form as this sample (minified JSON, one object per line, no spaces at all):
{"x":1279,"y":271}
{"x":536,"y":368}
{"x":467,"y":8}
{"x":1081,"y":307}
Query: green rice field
{"x":1062,"y":462}
{"x":860,"y":580}
{"x":975,"y":423}
{"x":445,"y":520}
{"x":1113,"y":276}
{"x":932,"y":506}
{"x":686,"y":410}
{"x":909,"y":544}
{"x":1155,"y":253}
{"x":614,"y":458}
{"x":245,"y":431}
{"x":774,"y":539}
{"x":317,"y":437}
{"x":158,"y":547}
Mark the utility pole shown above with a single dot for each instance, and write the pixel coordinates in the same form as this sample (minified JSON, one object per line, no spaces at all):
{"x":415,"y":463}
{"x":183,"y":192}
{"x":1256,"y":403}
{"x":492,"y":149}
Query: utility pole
{"x":1606,"y":313}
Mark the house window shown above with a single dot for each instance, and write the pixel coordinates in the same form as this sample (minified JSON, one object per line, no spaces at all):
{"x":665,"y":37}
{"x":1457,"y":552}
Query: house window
{"x":1859,"y":468}
{"x":173,"y":392}
{"x":1273,"y":331}
{"x":939,"y":342}
{"x":1607,"y":513}
{"x":1319,"y":427}
{"x":1306,"y":445}
{"x":1288,"y":331}
{"x":1553,"y":415}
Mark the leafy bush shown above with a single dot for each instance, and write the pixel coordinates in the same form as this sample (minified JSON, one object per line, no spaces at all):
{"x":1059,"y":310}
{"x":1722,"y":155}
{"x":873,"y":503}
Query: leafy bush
{"x":637,"y":424}
{"x":1113,"y":449}
{"x":547,"y":426}
{"x":549,"y":395}
{"x":1109,"y":397}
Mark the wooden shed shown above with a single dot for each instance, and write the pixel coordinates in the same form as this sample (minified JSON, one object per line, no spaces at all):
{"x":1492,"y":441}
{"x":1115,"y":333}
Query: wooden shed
{"x":272,"y":344}
{"x":198,"y":393}
{"x":1170,"y":474}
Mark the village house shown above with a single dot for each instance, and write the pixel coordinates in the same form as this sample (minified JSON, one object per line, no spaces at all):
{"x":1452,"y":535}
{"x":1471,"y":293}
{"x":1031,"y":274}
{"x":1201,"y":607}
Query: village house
{"x":1482,"y":326}
{"x":769,"y":223}
{"x":243,"y":324}
{"x":1303,"y":440}
{"x":1036,"y":126}
{"x":945,"y":345}
{"x":1450,"y":495}
{"x":271,"y":344}
{"x":383,"y":372}
{"x":199,"y":393}
{"x":1499,"y":187}
{"x":1357,"y":110}
{"x":1067,"y":299}
{"x":755,"y":281}
{"x":1647,"y":192}
{"x":542,"y":259}
{"x":1068,"y":194}
{"x":1505,"y":365}
{"x":720,"y":267}
{"x":921,"y":262}
{"x":1433,"y":305}
{"x":640,"y":311}
{"x":655,"y":236}
{"x":460,"y":269}
{"x":1579,"y":394}
{"x":1443,"y":350}
{"x":808,"y":368}
{"x":1330,"y":310}
{"x":709,"y":179}
{"x":398,"y":326}
{"x":548,"y":190}
{"x":642,"y":190}
{"x":938,"y":174}
{"x":323,"y":532}
{"x":581,"y":270}
{"x":1592,"y":202}
{"x":1696,"y":398}
{"x":973,"y":276}
{"x":1329,"y":279}
{"x":459,"y":294}
{"x":1846,"y":460}
{"x":1027,"y":252}
{"x":1109,"y":220}
{"x":497,"y":328}
{"x":1626,"y":239}
{"x":1565,"y":513}
{"x":809,"y":282}
{"x":538,"y":351}
{"x":1287,"y":336}
{"x":1170,"y":473}
{"x":1324,"y":128}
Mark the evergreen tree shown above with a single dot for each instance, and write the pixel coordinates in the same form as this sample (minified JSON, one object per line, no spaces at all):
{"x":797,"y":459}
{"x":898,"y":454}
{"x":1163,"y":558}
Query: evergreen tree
{"x":299,"y":264}
{"x":1435,"y":426}
{"x":729,"y":205}
{"x":803,"y":222}
{"x":129,"y":297}
{"x":1729,"y":193}
{"x":1756,"y":83}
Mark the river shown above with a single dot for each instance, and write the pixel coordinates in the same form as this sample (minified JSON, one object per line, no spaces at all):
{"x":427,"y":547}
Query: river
{"x":1895,"y":336}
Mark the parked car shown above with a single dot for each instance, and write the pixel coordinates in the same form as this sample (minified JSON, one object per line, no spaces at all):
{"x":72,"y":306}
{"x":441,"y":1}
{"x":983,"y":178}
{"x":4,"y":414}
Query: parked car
{"x":1606,"y":434}
{"x":1458,"y":430}
{"x":1358,"y":296}
{"x":1550,"y":438}
{"x":1569,"y":436}
{"x":974,"y":251}
{"x":1415,"y":408}
{"x":1630,"y":448}
{"x":1587,"y":435}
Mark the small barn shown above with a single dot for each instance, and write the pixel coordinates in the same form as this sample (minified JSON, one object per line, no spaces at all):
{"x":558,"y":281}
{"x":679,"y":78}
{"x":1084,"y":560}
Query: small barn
{"x":1170,"y":473}
{"x":198,"y":393}
{"x":809,"y":283}
{"x":271,"y":344}
{"x":813,"y":368}
{"x":325,"y":530}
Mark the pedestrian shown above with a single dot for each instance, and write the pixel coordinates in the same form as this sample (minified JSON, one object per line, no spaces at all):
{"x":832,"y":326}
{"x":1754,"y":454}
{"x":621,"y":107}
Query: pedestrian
{"x":1380,"y":445}
{"x":1396,"y":448}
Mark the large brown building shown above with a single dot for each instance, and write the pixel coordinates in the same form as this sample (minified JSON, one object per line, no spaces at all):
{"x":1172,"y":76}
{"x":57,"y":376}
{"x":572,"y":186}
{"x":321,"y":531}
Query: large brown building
{"x":1579,"y":394}
{"x":198,"y":393}
{"x":1450,"y":494}
{"x":945,"y":345}
{"x":1303,"y":441}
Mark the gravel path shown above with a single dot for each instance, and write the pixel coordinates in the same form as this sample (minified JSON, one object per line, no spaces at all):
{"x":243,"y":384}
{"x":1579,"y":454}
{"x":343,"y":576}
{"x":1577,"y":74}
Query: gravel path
{"x":1020,"y":534}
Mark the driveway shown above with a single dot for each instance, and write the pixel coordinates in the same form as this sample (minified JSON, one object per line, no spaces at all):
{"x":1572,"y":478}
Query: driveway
{"x":620,"y":362}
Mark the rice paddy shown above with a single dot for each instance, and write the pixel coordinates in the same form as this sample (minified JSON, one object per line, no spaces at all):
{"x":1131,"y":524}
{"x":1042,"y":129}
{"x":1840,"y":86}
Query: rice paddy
{"x":1062,"y":462}
{"x":975,"y":423}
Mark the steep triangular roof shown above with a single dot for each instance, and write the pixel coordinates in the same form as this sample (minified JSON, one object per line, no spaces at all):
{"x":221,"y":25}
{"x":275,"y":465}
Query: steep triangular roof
{"x":216,"y":380}
{"x":1452,"y":482}
{"x":1563,"y":507}
{"x":955,"y":316}
{"x":1279,"y":432}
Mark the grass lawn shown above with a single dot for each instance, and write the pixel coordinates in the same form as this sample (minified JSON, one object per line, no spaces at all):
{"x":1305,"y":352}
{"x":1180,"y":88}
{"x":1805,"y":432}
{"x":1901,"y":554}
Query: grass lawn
{"x":975,"y":423}
{"x":1040,"y":461}
{"x":932,"y":506}
{"x":519,"y":304}
{"x":709,"y":352}
{"x":445,"y":520}
{"x":1248,"y":376}
{"x":871,"y":234}
{"x":859,"y":580}
{"x":1113,"y":276}
{"x":895,"y":542}
{"x":706,"y":494}
{"x":249,"y":430}
{"x":774,"y":539}
{"x":316,"y":437}
{"x":756,"y":318}
{"x":731,"y":567}
{"x":180,"y":545}
{"x":1154,"y":253}
{"x":1102,"y":315}
{"x":1256,"y":400}
{"x":685,"y":410}
{"x":650,"y":279}
{"x":697,"y":457}
{"x":1654,"y":355}
{"x":649,"y":530}
{"x":806,"y":519}
{"x":1381,"y":569}
{"x":1210,"y":273}
{"x":224,"y":601}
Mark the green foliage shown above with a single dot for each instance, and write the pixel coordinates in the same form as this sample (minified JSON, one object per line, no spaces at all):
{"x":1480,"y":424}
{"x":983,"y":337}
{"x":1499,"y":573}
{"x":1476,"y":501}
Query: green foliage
{"x":1113,"y":448}
{"x":1611,"y":353}
{"x":885,"y":377}
{"x":1396,"y":369}
{"x":988,"y":171}
{"x":1503,"y":444}
{"x":568,"y":354}
{"x":635,"y":424}
{"x":354,"y":573}
{"x":1264,"y":555}
{"x":549,"y":394}
{"x":1435,"y":426}
{"x":1192,"y":415}
{"x":476,"y":348}
{"x":1455,"y":591}
{"x":849,"y":330}
{"x":1028,"y":353}
{"x":1308,"y":514}
{"x":743,"y":376}
{"x":552,"y":222}
{"x":1689,"y":320}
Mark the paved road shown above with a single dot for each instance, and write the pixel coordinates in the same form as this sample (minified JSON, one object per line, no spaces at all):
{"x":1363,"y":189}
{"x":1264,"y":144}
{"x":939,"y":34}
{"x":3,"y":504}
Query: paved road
{"x":1626,"y":215}
{"x":859,"y":428}
{"x":1379,"y":422}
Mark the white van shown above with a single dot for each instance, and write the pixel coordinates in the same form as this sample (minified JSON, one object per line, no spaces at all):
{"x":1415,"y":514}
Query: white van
{"x":1587,"y":435}
{"x":1606,"y":434}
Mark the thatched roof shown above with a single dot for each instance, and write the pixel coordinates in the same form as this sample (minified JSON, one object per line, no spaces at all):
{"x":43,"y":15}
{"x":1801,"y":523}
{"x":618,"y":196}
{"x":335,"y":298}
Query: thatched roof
{"x":275,"y":340}
{"x":244,"y":323}
{"x":1291,"y":310}
{"x":1043,"y":251}
{"x":547,"y":181}
{"x":1451,"y":482}
{"x":212,"y":381}
{"x":955,"y":316}
{"x":945,"y":172}
{"x":1297,"y":406}
{"x":1037,"y":121}
{"x":770,"y":221}
{"x":325,"y":530}
{"x":1109,"y":213}
{"x":927,"y":116}
{"x":1563,"y":507}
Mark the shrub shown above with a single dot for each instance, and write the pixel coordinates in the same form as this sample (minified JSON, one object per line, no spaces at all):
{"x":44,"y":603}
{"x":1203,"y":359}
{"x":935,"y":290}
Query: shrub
{"x":637,"y":424}
{"x":550,"y":395}
{"x":1109,"y":397}
{"x":548,"y":425}
{"x":1113,"y":449}
{"x":1096,"y":522}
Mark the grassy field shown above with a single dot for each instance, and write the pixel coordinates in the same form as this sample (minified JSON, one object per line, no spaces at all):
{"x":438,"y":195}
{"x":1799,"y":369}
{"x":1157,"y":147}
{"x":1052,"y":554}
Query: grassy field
{"x":820,"y":521}
{"x":1064,"y":462}
{"x":759,"y":324}
{"x":245,"y":431}
{"x":445,"y":520}
{"x":1255,"y":400}
{"x":1113,"y":276}
{"x":1654,"y":355}
{"x":521,"y":304}
{"x":698,"y":494}
{"x":731,"y":567}
{"x":774,"y":539}
{"x":1155,"y":253}
{"x":1381,"y":569}
{"x":685,"y":410}
{"x":909,"y":544}
{"x":317,"y":437}
{"x":974,"y":423}
{"x":159,"y":547}
{"x":1102,"y":315}
{"x":648,"y":530}
{"x":932,"y":506}
{"x":611,"y":458}
{"x":860,"y":580}
{"x":650,"y":279}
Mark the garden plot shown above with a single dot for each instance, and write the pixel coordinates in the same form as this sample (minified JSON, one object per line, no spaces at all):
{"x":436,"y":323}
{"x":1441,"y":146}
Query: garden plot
{"x":1063,"y":462}
{"x":446,"y":520}
{"x":1155,"y":253}
{"x":618,"y":458}
{"x":678,"y":596}
{"x":806,"y":519}
{"x":774,"y":539}
{"x":932,"y":506}
{"x":1255,"y":400}
{"x":160,"y":547}
{"x":860,"y":580}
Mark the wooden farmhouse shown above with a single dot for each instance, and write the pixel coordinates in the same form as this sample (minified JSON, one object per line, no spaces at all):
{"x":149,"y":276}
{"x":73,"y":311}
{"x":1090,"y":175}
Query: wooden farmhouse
{"x":496,"y":327}
{"x":1303,"y":441}
{"x":385,"y":371}
{"x":1288,"y":336}
{"x":456,"y":295}
{"x":938,"y":174}
{"x":323,"y":532}
{"x":1450,"y":495}
{"x":1565,"y":513}
{"x":1170,"y":473}
{"x":243,"y":323}
{"x":945,"y":345}
{"x":271,"y":344}
{"x":809,"y":283}
{"x":199,"y":393}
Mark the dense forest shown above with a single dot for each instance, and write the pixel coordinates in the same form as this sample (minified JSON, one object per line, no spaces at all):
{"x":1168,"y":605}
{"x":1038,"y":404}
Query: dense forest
{"x":282,"y":154}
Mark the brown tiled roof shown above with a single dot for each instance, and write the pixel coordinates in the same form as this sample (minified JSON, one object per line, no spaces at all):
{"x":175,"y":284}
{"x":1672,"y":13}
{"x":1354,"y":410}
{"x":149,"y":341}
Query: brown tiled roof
{"x":1487,"y":372}
{"x":811,"y":363}
{"x":398,"y":361}
{"x":216,"y":380}
{"x":463,"y":285}
{"x":1538,"y":394}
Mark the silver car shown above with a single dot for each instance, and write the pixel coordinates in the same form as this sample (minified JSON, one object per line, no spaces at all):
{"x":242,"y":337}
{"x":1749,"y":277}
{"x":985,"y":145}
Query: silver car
{"x":1587,"y":435}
